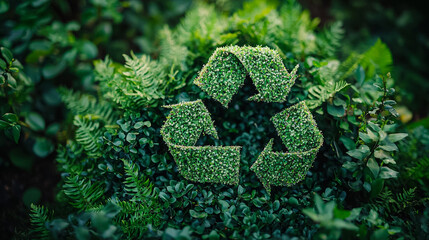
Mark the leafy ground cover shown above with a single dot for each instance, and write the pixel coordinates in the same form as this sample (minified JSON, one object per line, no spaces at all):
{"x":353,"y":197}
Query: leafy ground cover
{"x":101,"y":116}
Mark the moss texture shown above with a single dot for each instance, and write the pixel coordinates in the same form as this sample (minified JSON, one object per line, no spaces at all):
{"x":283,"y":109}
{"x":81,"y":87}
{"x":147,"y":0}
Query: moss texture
{"x":227,"y":68}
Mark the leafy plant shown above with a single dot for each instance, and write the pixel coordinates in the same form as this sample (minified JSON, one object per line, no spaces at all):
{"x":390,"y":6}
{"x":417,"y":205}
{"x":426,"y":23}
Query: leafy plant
{"x":118,"y":180}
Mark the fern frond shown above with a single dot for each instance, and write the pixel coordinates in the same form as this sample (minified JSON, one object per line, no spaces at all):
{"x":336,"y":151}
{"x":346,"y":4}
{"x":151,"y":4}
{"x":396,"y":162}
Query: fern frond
{"x":138,"y":84}
{"x":346,"y":68}
{"x":38,"y":219}
{"x":419,"y":170}
{"x":67,"y":156}
{"x":85,"y":104}
{"x":83,"y":194}
{"x":329,"y":40}
{"x":172,"y":54}
{"x":202,"y":23}
{"x":319,"y":94}
{"x":405,"y":198}
{"x":87,"y":135}
{"x":134,"y":217}
{"x":139,"y":188}
{"x":378,"y":59}
{"x":394,"y":204}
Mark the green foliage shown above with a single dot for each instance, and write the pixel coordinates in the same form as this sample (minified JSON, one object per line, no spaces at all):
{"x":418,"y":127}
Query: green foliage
{"x":122,"y":155}
{"x":14,"y":87}
{"x":365,"y":19}
{"x":137,"y":84}
{"x":39,"y":216}
{"x":330,"y":39}
{"x":83,"y":194}
{"x":134,"y":217}
{"x":136,"y":188}
{"x":87,"y":105}
{"x":398,"y":203}
{"x":331,"y":219}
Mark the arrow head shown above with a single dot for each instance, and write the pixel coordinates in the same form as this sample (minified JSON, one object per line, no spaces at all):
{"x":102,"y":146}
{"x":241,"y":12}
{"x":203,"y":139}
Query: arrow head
{"x":186,"y":122}
{"x":299,"y":133}
{"x":275,"y":84}
{"x":211,"y":164}
{"x":261,"y":166}
{"x":227,"y":68}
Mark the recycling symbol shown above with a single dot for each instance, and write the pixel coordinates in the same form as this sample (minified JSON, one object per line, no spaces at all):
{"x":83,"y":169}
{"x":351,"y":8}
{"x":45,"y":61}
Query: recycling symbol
{"x":221,"y":78}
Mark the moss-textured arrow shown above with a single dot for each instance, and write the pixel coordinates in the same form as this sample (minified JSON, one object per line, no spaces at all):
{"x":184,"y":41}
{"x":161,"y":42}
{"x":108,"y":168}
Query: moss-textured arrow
{"x":299,"y":133}
{"x":226,"y":71}
{"x":181,"y":131}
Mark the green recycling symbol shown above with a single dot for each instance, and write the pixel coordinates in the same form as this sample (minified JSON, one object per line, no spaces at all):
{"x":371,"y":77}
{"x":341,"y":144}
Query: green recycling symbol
{"x":221,"y":78}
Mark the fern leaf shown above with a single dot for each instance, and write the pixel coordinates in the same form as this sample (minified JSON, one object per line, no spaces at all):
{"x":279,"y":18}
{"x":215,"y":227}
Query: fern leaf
{"x":137,"y":187}
{"x":87,"y":135}
{"x":377,"y":59}
{"x":134,"y":217}
{"x":83,"y":194}
{"x":67,"y":157}
{"x":172,"y":54}
{"x":329,"y":41}
{"x":85,"y":104}
{"x":138,"y":84}
{"x":347,"y":67}
{"x":38,"y":219}
{"x":419,"y":170}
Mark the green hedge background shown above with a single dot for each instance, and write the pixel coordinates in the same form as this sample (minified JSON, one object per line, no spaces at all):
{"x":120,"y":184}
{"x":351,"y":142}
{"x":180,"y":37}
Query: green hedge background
{"x":82,"y":88}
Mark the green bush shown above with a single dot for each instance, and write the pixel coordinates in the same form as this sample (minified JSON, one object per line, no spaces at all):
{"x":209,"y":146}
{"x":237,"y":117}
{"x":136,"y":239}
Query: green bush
{"x":119,"y":180}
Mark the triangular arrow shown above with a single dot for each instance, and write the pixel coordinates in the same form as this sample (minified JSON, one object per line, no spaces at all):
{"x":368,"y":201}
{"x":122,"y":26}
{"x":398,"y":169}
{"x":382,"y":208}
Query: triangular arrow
{"x":181,"y":131}
{"x":226,"y":71}
{"x":299,"y":133}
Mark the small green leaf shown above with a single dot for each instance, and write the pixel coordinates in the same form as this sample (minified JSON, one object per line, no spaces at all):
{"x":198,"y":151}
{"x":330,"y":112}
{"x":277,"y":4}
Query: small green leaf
{"x":380,"y":234}
{"x":141,"y":124}
{"x":336,"y":111}
{"x":213,"y":235}
{"x":7,"y":54}
{"x":395,"y":137}
{"x":43,"y":147}
{"x":388,"y":146}
{"x":16,"y":132}
{"x":240,"y":190}
{"x":35,"y":121}
{"x":196,"y":214}
{"x":373,"y":167}
{"x":31,"y":196}
{"x":365,"y":138}
{"x":351,"y":166}
{"x":293,"y":201}
{"x":164,"y":196}
{"x":372,"y":135}
{"x":223,"y":205}
{"x":361,"y":153}
{"x":387,"y":173}
{"x":4,"y":124}
{"x":131,"y":137}
{"x":4,"y":7}
{"x":3,"y":65}
{"x":10,"y":117}
{"x":11,"y":81}
{"x":348,"y":143}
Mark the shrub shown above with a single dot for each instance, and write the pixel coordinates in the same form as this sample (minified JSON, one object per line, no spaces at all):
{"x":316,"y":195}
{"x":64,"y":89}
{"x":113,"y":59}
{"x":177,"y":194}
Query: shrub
{"x":119,"y":181}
